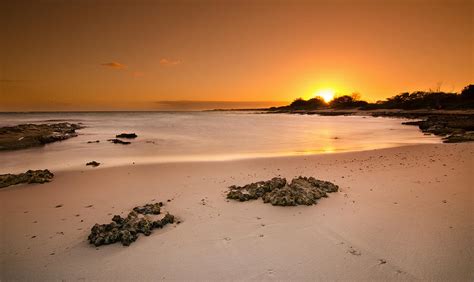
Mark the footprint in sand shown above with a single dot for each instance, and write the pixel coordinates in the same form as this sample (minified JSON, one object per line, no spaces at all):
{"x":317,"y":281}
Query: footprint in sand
{"x":354,"y":252}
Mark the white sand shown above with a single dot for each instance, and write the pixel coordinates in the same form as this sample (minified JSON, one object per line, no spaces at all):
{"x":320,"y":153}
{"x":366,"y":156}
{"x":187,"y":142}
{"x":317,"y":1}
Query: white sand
{"x":390,"y":207}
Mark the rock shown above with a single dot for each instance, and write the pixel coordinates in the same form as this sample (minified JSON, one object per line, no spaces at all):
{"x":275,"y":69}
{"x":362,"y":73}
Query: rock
{"x":118,"y":141}
{"x":32,"y":135}
{"x":454,"y":128}
{"x":301,"y":191}
{"x":96,"y":141}
{"x":31,"y":176}
{"x":126,"y":230}
{"x":148,"y":208}
{"x":167,"y":219}
{"x":93,"y":163}
{"x":255,"y":190}
{"x":127,"y":135}
{"x":458,"y":137}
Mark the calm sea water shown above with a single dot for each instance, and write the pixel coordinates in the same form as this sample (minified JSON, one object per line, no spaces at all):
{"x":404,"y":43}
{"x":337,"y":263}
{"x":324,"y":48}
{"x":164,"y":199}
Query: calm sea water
{"x":203,"y":136}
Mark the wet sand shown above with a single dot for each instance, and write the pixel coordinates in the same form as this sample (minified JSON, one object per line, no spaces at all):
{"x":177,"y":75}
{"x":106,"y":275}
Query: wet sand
{"x":401,"y":214}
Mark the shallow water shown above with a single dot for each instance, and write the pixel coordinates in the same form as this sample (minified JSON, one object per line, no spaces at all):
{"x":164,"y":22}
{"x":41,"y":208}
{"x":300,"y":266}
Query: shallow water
{"x":202,"y":136}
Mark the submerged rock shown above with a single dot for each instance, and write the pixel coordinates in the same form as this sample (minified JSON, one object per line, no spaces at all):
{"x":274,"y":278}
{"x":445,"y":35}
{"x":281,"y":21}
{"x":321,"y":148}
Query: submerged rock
{"x":300,"y":191}
{"x":93,"y":164}
{"x":118,"y":141}
{"x":32,"y":135}
{"x":31,"y":176}
{"x":126,"y":230}
{"x":127,"y":135}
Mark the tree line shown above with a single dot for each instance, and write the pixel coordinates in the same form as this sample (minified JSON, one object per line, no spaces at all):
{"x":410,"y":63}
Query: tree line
{"x":407,"y":101}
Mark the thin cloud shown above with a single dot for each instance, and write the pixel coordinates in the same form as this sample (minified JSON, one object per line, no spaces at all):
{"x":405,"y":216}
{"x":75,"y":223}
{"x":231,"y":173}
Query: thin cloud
{"x":168,"y":63}
{"x":211,"y":105}
{"x":114,"y":65}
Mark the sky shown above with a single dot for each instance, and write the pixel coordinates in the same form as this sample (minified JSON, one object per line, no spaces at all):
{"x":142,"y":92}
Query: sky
{"x":173,"y":55}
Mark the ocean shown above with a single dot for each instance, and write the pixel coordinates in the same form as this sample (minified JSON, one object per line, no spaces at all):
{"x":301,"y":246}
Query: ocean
{"x":203,"y":136}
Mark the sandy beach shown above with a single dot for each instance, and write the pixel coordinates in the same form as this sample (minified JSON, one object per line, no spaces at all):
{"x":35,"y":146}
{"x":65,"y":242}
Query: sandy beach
{"x":401,"y":213}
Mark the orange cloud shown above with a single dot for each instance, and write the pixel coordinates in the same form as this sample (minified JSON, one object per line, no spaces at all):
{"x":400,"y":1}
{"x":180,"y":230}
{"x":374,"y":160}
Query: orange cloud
{"x":167,"y":62}
{"x":114,"y":65}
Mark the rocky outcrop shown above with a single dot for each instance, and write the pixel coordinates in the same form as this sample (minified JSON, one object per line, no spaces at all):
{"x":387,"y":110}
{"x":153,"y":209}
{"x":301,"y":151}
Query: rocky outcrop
{"x":118,"y":141}
{"x":141,"y":219}
{"x":32,"y":135}
{"x":278,"y":192}
{"x":453,"y":128}
{"x":31,"y":176}
{"x":127,"y":135}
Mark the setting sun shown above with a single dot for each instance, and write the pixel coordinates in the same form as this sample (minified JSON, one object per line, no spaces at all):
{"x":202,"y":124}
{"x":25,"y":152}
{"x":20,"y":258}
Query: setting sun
{"x":326,"y":94}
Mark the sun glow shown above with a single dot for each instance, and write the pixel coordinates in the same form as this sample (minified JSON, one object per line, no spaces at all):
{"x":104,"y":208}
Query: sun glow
{"x":326,"y":94}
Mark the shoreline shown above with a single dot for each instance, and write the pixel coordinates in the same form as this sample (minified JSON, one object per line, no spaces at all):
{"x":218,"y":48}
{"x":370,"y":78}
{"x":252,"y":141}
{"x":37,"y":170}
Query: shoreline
{"x":390,"y":207}
{"x":453,"y":126}
{"x":215,"y":159}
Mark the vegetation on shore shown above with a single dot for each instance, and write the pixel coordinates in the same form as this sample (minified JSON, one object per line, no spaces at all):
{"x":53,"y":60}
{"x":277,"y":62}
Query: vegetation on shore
{"x":406,"y":101}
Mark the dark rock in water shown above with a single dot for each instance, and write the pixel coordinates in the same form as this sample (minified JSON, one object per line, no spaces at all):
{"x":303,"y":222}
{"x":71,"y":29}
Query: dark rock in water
{"x":459,"y":137}
{"x":127,"y":135}
{"x":126,"y":230}
{"x":301,"y":191}
{"x":31,"y":176}
{"x":96,"y":141}
{"x":454,"y":128}
{"x":118,"y":141}
{"x":93,"y":163}
{"x":32,"y":135}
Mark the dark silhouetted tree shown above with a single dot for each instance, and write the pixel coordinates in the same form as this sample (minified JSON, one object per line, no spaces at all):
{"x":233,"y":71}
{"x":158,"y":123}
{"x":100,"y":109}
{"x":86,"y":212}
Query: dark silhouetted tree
{"x":311,"y":104}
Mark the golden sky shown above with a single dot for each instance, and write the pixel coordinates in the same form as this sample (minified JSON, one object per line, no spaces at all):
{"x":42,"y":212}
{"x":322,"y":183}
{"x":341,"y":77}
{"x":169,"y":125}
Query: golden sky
{"x":147,"y":55}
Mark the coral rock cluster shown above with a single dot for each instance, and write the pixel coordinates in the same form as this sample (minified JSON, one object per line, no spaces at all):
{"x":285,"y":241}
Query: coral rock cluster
{"x":278,"y":192}
{"x":126,"y":229}
{"x":31,"y":176}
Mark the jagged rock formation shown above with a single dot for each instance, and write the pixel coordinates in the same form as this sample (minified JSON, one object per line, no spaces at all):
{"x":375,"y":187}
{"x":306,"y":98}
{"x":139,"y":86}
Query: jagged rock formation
{"x":278,"y":192}
{"x":32,"y":135}
{"x":454,"y":128}
{"x":126,"y":230}
{"x":31,"y":176}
